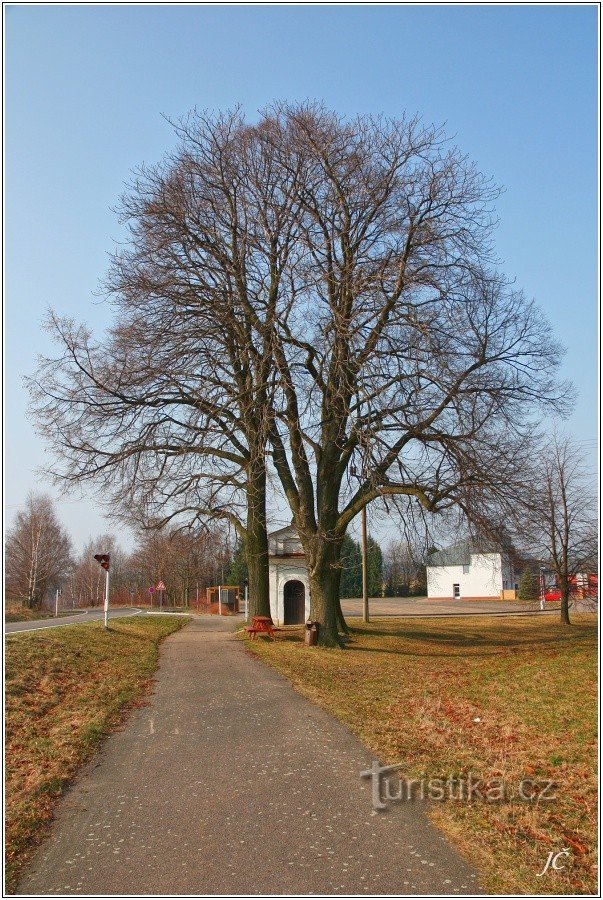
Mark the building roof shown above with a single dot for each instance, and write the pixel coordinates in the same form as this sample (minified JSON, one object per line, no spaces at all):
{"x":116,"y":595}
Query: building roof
{"x":283,"y":531}
{"x":460,"y":554}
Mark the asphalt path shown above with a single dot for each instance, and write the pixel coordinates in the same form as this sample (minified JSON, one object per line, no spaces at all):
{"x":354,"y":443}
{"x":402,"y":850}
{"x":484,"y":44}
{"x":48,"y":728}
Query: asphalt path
{"x":91,"y":615}
{"x":228,"y":782}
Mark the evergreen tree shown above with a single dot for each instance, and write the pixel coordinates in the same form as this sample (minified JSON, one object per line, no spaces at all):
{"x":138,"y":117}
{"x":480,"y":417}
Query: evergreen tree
{"x":351,"y":568}
{"x":237,"y":573}
{"x":528,"y":586}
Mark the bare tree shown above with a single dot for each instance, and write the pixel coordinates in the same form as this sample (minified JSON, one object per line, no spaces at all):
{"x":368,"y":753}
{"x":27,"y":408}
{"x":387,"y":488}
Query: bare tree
{"x":187,"y":562}
{"x":403,"y":353}
{"x":558,"y":517}
{"x":169,"y":414}
{"x":403,"y":566}
{"x":86,"y":587}
{"x":314,"y":289}
{"x":38,"y":552}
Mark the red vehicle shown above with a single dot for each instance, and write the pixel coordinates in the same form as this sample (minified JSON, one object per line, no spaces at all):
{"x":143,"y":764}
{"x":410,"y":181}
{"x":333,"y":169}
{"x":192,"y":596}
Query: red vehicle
{"x":581,"y":586}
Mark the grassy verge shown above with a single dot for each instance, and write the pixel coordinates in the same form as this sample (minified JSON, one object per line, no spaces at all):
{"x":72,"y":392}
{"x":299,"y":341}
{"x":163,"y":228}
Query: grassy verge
{"x":65,"y":689}
{"x":499,"y":698}
{"x":23,"y":614}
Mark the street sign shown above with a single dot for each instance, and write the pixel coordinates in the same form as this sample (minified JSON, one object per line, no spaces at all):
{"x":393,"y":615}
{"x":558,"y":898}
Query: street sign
{"x":151,"y":590}
{"x":161,"y":586}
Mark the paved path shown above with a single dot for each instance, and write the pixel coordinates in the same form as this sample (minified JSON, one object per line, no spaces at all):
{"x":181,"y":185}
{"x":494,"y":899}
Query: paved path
{"x":90,"y":615}
{"x":229,"y":782}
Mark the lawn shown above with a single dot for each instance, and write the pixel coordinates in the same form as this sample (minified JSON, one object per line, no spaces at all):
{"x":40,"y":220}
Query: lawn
{"x":65,"y":689}
{"x":508,"y":699}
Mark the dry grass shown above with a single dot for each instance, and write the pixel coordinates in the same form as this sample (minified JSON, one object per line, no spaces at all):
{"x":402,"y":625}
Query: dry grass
{"x":65,"y":689}
{"x":16,"y":612}
{"x":412,"y":690}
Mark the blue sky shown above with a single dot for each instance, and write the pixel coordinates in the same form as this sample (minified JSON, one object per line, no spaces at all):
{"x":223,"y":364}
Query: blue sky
{"x":86,"y":88}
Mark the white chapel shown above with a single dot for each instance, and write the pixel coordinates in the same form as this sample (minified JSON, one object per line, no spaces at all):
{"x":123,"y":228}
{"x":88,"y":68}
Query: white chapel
{"x":288,"y":574}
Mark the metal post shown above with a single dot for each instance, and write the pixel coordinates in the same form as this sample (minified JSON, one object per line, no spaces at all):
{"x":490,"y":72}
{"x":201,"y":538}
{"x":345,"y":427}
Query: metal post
{"x":160,"y":601}
{"x":246,"y":600}
{"x":541,"y":588}
{"x":365,"y":598}
{"x":220,"y":600}
{"x":107,"y":601}
{"x":56,"y":604}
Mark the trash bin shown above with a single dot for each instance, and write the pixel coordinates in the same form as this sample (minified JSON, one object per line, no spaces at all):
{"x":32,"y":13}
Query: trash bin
{"x":311,"y":636}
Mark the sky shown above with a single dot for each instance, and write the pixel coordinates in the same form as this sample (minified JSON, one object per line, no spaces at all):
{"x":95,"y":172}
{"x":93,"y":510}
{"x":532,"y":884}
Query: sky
{"x":87,"y":90}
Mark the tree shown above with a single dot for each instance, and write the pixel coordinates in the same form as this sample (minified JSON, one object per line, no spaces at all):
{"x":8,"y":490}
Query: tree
{"x":317,"y":290}
{"x":186,"y":562}
{"x":404,"y":355}
{"x":38,"y":552}
{"x":403,"y":568}
{"x":559,"y":516}
{"x":351,"y":567}
{"x":528,"y":586}
{"x":169,"y":413}
{"x":238,"y":573}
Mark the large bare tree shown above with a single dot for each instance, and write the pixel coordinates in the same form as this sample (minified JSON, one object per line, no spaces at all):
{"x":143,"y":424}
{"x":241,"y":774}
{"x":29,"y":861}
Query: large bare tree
{"x":38,"y":552}
{"x":314,"y":291}
{"x":169,"y":414}
{"x":403,"y":352}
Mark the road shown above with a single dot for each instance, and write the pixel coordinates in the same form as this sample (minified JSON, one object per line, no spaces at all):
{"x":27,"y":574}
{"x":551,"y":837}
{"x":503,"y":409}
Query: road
{"x":229,"y":782}
{"x":403,"y":606}
{"x":90,"y":615}
{"x":421,"y":606}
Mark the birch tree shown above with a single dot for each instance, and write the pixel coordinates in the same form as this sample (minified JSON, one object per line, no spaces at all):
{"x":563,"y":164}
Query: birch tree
{"x":38,"y":552}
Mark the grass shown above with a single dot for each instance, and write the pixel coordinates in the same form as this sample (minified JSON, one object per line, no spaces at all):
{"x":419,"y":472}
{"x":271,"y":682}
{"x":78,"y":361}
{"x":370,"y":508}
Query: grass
{"x":18,"y":613}
{"x":64,"y":690}
{"x":413,"y":691}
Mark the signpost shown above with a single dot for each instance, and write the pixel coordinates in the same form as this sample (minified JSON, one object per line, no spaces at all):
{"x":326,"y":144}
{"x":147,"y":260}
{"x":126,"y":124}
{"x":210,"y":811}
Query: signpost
{"x":161,"y":589}
{"x":151,"y":592}
{"x":246,"y":600}
{"x":104,"y":560}
{"x":56,"y":602}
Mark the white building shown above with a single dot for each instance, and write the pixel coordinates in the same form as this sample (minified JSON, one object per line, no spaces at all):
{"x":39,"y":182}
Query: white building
{"x":462,"y":572}
{"x":288,"y":576}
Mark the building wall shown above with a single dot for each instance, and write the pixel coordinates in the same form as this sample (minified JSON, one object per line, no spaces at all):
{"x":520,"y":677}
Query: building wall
{"x":485,"y":576}
{"x":282,"y":570}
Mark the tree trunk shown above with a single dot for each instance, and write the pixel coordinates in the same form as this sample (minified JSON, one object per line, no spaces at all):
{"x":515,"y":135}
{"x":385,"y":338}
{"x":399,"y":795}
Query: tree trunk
{"x":325,"y":575}
{"x":341,"y":622}
{"x":256,"y":545}
{"x":564,"y":618}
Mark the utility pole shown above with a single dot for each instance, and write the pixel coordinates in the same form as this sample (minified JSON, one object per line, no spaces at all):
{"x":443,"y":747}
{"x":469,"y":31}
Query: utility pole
{"x":365,"y":597}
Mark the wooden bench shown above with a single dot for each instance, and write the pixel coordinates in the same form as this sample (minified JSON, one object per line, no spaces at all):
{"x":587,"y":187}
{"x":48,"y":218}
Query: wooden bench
{"x":261,"y":625}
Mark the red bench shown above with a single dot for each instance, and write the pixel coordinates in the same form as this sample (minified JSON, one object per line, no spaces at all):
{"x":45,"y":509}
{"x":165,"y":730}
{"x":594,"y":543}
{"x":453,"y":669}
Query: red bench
{"x":261,"y":625}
